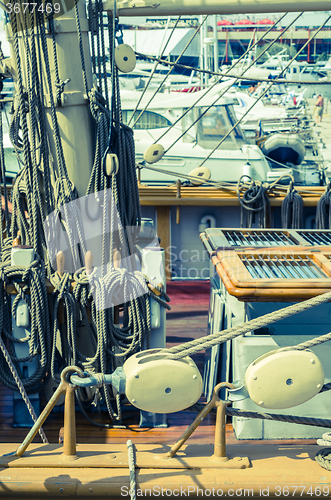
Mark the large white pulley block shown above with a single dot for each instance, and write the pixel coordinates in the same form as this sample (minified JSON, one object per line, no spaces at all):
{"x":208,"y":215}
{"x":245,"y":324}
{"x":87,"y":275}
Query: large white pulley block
{"x":282,"y":379}
{"x":158,"y":384}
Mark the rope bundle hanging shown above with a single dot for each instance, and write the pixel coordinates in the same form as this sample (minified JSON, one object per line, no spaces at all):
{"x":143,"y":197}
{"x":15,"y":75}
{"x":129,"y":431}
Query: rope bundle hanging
{"x":254,"y":201}
{"x":39,"y":338}
{"x":66,"y":341}
{"x":292,"y":209}
{"x":323,"y":212}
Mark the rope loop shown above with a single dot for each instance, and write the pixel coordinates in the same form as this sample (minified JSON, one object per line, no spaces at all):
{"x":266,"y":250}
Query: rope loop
{"x":254,"y":201}
{"x":97,"y":104}
{"x":292,"y":209}
{"x":323,"y":213}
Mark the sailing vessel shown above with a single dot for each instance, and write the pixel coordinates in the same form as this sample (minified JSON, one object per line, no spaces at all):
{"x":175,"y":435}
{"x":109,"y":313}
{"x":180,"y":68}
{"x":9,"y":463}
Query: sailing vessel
{"x":84,"y":329}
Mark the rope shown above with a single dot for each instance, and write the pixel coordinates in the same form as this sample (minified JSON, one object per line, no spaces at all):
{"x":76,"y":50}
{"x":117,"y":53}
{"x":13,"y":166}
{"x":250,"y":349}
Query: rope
{"x":223,"y":184}
{"x":23,"y":392}
{"x":4,"y":185}
{"x":155,"y":65}
{"x":292,"y":209}
{"x":309,"y":343}
{"x":323,"y":458}
{"x":66,"y":345}
{"x":39,"y":339}
{"x":254,"y":201}
{"x":291,"y":419}
{"x":170,"y":70}
{"x":326,"y":439}
{"x":323,"y":213}
{"x":81,"y":50}
{"x":220,"y":79}
{"x":132,"y":469}
{"x":194,"y":346}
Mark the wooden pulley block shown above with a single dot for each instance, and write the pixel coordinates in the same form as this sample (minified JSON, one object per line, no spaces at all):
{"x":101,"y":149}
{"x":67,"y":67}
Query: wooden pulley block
{"x":202,"y":172}
{"x":159,"y":384}
{"x":111,"y":164}
{"x":282,"y":379}
{"x":154,"y":153}
{"x":125,"y":58}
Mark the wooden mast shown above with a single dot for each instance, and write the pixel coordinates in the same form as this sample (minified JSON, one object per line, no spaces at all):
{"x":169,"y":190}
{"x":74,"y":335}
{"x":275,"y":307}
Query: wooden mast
{"x":73,"y":112}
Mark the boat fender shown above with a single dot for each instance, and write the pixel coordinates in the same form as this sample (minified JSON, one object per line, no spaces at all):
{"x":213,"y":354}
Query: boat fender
{"x":111,"y":164}
{"x":125,"y":58}
{"x":159,"y":384}
{"x":247,"y":173}
{"x":207,"y":222}
{"x":202,"y":172}
{"x":282,"y":379}
{"x":154,"y":153}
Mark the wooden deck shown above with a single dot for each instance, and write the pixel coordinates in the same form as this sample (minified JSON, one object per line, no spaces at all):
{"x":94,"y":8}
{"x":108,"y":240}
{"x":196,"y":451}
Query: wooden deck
{"x":275,"y":466}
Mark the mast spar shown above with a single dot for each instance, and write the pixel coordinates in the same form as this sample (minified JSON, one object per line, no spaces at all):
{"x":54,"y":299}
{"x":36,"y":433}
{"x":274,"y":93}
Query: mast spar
{"x":199,"y":7}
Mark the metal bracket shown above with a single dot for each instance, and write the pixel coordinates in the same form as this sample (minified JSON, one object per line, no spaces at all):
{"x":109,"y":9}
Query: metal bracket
{"x":69,"y":446}
{"x":75,"y":98}
{"x":87,"y":457}
{"x":219,"y":456}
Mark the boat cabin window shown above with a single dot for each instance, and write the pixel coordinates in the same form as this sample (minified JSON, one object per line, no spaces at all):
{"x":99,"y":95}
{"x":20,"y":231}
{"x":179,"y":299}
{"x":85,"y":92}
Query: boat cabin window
{"x":213,"y":125}
{"x":233,"y":119}
{"x":148,"y":120}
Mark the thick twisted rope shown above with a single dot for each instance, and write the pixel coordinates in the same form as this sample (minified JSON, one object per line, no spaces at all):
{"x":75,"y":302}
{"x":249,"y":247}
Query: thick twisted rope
{"x":132,"y":470}
{"x":292,"y":419}
{"x":292,"y":209}
{"x":39,"y":339}
{"x":62,"y":294}
{"x":21,"y":388}
{"x":194,"y":346}
{"x":254,"y":201}
{"x":323,"y":212}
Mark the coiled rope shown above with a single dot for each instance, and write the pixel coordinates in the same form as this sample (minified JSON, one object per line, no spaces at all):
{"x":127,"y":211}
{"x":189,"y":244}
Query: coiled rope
{"x":254,"y":201}
{"x":292,"y":209}
{"x":323,"y":212}
{"x":39,"y":339}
